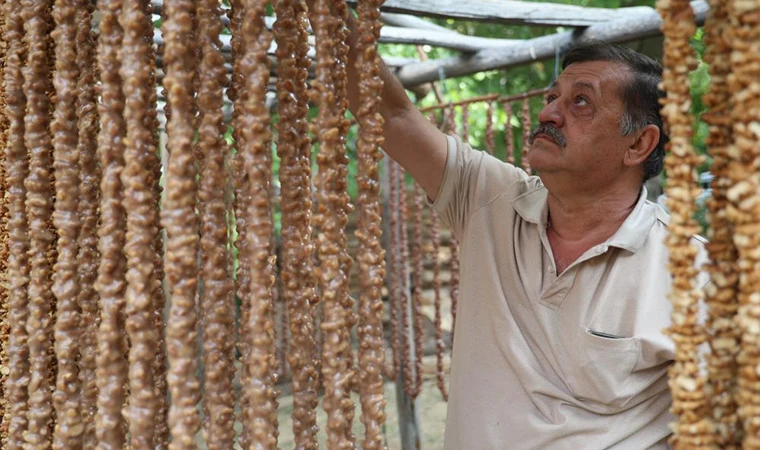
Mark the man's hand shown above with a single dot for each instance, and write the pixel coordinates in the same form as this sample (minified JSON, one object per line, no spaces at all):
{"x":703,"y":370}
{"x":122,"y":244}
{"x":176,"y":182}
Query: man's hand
{"x":410,"y":139}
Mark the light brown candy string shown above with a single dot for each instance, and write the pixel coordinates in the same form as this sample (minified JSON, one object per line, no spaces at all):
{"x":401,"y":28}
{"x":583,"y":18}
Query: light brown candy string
{"x":16,"y":166}
{"x":255,"y":149}
{"x":391,"y":371}
{"x":161,"y":432}
{"x":450,"y":125}
{"x":434,"y":256}
{"x":5,"y":415}
{"x":89,"y":193}
{"x":370,"y":254}
{"x":237,"y":94}
{"x":465,"y":124}
{"x":526,"y":128}
{"x":331,"y":218}
{"x":438,"y":322}
{"x":39,"y":205}
{"x":181,"y":223}
{"x":407,"y":365}
{"x":111,"y":363}
{"x":298,"y":281}
{"x":67,"y":330}
{"x":217,"y":303}
{"x":687,"y":384}
{"x":418,"y":255}
{"x":139,"y":202}
{"x":489,"y":138}
{"x":743,"y":209}
{"x":509,"y":140}
{"x":721,"y":293}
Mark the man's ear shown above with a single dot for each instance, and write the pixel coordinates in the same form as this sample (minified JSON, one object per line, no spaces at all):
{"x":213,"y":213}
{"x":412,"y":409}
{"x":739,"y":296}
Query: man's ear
{"x":645,"y":141}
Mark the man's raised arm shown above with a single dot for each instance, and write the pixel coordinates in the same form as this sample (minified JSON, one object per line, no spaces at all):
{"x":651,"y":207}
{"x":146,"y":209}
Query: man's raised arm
{"x":410,"y":138}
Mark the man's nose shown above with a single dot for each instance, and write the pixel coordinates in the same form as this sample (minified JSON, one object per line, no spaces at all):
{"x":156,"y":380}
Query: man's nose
{"x":552,"y":114}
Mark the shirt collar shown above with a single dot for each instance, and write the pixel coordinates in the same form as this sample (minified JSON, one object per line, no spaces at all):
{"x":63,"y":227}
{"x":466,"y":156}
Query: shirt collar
{"x":532,"y":206}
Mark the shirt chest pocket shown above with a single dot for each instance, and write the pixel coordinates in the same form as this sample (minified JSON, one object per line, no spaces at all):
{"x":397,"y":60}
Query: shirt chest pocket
{"x":601,"y":370}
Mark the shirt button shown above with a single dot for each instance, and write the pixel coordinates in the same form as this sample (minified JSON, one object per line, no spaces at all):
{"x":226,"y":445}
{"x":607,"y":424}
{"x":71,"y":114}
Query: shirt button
{"x":551,"y":269}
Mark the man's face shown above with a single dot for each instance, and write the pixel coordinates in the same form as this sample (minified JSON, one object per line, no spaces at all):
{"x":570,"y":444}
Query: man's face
{"x":578,"y":140}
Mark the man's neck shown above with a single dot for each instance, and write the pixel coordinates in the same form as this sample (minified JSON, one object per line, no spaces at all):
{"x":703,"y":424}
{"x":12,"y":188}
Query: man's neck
{"x":578,"y":223}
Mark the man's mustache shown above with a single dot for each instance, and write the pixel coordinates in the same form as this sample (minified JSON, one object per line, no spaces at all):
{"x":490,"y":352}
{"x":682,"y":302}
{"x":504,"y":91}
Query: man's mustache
{"x":549,"y":130}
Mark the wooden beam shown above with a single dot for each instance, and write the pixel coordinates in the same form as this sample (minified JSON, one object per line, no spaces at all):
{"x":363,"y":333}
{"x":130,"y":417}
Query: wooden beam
{"x":510,"y":11}
{"x":407,"y":21}
{"x":617,"y":31}
{"x":454,"y":41}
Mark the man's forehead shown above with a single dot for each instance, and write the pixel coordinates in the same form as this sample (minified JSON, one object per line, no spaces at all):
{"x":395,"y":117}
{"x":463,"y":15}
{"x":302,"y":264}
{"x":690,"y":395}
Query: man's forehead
{"x":592,"y":74}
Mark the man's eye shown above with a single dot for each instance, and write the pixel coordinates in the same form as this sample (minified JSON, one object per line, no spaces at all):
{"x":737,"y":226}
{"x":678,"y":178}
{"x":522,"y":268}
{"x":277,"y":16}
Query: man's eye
{"x":550,"y":98}
{"x":581,"y":100}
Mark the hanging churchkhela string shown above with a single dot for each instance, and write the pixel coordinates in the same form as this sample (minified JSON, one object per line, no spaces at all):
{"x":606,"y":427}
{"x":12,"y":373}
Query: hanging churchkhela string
{"x":181,"y":223}
{"x":217,"y":301}
{"x":743,"y":210}
{"x":5,"y":415}
{"x":509,"y":144}
{"x":687,"y":384}
{"x":370,"y":254}
{"x":450,"y":126}
{"x":526,"y":125}
{"x":111,"y":363}
{"x":393,"y":274}
{"x":490,"y":142}
{"x":16,"y":167}
{"x":142,"y":226}
{"x":39,"y":205}
{"x":298,"y":282}
{"x":89,"y":191}
{"x":407,"y":367}
{"x":418,"y":255}
{"x":438,"y":321}
{"x":721,"y":293}
{"x":255,"y":148}
{"x":69,"y":425}
{"x":328,"y":21}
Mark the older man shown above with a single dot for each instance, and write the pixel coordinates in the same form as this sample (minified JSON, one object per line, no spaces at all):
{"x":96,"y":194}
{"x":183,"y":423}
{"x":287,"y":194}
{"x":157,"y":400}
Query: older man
{"x":564,"y":276}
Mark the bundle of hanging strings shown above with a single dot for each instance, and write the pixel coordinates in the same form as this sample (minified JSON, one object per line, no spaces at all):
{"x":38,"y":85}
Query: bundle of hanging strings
{"x":90,"y":200}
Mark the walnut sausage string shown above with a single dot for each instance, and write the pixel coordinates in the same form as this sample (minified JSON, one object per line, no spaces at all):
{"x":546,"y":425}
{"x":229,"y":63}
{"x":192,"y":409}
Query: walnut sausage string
{"x":138,"y":178}
{"x":417,"y":294}
{"x":16,"y":170}
{"x":111,"y":362}
{"x":450,"y":126}
{"x":370,"y":254}
{"x":331,"y":218}
{"x":89,"y":193}
{"x":526,"y":125}
{"x":217,"y":301}
{"x":39,"y":205}
{"x":181,"y":222}
{"x":720,"y":295}
{"x":391,"y":371}
{"x":69,"y":425}
{"x":490,"y":143}
{"x":161,"y":428}
{"x":5,"y":415}
{"x":254,"y":118}
{"x":693,"y":425}
{"x":743,"y":210}
{"x":298,"y":281}
{"x":407,"y":365}
{"x":439,"y":344}
{"x":509,"y":144}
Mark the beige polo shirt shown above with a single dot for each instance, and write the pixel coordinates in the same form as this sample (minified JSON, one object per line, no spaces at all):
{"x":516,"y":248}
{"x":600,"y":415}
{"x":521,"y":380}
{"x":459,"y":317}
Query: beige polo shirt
{"x":576,"y":361}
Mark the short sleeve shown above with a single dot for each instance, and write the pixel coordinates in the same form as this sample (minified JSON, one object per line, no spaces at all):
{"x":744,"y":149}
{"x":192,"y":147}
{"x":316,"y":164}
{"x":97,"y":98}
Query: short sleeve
{"x":472,"y":179}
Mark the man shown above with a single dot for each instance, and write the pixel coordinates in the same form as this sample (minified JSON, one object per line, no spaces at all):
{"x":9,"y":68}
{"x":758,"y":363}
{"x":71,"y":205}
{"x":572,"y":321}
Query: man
{"x":564,"y":276}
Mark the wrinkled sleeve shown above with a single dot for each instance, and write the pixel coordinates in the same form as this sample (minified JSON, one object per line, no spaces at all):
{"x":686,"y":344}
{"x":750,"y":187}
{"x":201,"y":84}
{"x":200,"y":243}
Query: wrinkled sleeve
{"x":472,"y":178}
